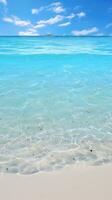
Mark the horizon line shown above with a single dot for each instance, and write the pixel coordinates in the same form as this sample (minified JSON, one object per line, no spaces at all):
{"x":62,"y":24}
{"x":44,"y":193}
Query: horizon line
{"x":54,"y":36}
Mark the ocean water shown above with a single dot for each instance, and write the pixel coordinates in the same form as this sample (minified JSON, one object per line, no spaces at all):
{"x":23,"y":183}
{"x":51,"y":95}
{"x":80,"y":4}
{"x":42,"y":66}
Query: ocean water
{"x":55,"y":102}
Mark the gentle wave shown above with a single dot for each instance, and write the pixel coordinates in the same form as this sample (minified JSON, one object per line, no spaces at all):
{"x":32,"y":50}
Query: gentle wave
{"x":50,"y":50}
{"x":35,"y":46}
{"x":30,"y":157}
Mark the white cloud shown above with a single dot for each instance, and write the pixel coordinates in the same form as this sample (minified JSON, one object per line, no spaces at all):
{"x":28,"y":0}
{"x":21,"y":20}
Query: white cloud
{"x":109,"y":25}
{"x":85,"y":32}
{"x":51,"y":21}
{"x":65,"y":24}
{"x":71,"y":16}
{"x":39,"y":26}
{"x":16,"y":20}
{"x":29,"y":32}
{"x":55,"y":3}
{"x":4,"y":2}
{"x":81,"y":14}
{"x":8,"y":19}
{"x":35,"y":11}
{"x":56,"y":7}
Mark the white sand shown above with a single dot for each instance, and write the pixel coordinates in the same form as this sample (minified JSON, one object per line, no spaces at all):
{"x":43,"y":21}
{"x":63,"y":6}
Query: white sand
{"x":78,"y":183}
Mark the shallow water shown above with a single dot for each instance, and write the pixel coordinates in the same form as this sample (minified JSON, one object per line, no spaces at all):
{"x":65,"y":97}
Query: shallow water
{"x":55,"y":102}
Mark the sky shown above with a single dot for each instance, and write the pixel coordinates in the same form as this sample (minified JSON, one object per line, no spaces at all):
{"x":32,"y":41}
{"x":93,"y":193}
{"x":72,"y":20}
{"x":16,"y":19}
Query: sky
{"x":63,"y":17}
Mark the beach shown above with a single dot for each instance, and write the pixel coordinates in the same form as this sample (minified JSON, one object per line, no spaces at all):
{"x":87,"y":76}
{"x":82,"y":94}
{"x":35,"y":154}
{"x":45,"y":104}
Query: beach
{"x":79,"y":182}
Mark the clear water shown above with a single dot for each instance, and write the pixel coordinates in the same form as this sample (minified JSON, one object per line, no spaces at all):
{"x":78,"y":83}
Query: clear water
{"x":55,"y":103}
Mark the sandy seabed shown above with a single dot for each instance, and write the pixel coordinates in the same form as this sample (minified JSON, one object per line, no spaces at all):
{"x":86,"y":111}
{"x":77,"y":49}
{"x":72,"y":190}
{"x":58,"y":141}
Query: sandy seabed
{"x":70,"y":183}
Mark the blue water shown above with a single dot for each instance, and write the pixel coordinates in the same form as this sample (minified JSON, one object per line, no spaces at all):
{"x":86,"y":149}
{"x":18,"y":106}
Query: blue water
{"x":55,"y":102}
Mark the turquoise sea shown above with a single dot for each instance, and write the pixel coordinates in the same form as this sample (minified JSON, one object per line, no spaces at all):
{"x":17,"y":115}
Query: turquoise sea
{"x":55,"y":102}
